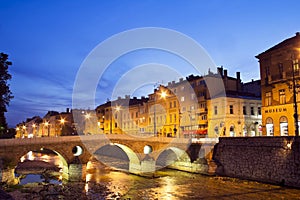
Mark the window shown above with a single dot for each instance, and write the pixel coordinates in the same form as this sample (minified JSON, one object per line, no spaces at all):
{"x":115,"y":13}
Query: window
{"x":204,"y":117}
{"x":244,"y":110}
{"x":116,"y":124}
{"x":259,"y":110}
{"x":192,"y":107}
{"x":252,"y":110}
{"x":174,"y":103}
{"x":193,"y":96}
{"x":282,"y":96}
{"x":268,"y":99}
{"x":170,"y":104}
{"x":182,"y":88}
{"x":216,"y":110}
{"x":170,"y":116}
{"x":192,"y":117}
{"x":137,"y":114}
{"x":296,"y":65}
{"x":280,"y":69}
{"x":231,"y":109}
{"x":182,"y":98}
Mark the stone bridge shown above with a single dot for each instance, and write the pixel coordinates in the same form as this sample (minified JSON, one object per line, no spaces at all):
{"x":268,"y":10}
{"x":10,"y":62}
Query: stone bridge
{"x":76,"y":151}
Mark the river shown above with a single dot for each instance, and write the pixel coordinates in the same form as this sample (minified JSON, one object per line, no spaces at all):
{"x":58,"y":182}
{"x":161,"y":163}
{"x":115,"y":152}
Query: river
{"x":104,"y":183}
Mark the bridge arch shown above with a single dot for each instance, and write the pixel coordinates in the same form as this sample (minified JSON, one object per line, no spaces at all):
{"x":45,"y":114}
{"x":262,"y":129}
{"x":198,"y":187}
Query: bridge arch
{"x":170,"y":155}
{"x":132,"y":156}
{"x":63,"y":160}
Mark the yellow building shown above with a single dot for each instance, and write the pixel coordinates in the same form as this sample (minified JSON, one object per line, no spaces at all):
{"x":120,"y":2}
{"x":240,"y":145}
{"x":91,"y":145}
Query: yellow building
{"x":124,"y":115}
{"x":279,"y":70}
{"x":234,"y":116}
{"x":164,"y":109}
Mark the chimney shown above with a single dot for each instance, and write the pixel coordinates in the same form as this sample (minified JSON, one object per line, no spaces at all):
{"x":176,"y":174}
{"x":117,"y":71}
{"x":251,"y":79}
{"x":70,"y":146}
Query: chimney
{"x":238,"y":76}
{"x":67,"y":110}
{"x":297,"y":33}
{"x":225,"y":73}
{"x":220,"y":70}
{"x":238,"y":81}
{"x":181,"y":79}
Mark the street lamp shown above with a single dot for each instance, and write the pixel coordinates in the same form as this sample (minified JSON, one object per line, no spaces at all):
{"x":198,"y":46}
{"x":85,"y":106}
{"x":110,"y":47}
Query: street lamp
{"x":24,"y":130}
{"x":62,"y":122}
{"x":34,"y":127}
{"x":295,"y":63}
{"x":117,"y":108}
{"x":163,"y":95}
{"x":47,"y":125}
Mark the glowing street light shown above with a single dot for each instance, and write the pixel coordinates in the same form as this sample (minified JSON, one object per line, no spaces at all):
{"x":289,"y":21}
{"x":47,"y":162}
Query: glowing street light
{"x":87,"y":116}
{"x":24,"y":130}
{"x":62,"y":122}
{"x":48,"y":126}
{"x":34,"y":128}
{"x":117,"y":108}
{"x":162,"y":95}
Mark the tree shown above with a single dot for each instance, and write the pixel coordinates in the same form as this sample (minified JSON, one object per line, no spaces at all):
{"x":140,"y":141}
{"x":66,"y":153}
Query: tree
{"x":5,"y":93}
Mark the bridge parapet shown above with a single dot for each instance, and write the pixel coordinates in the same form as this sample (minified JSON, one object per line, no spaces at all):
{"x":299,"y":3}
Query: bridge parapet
{"x":11,"y":150}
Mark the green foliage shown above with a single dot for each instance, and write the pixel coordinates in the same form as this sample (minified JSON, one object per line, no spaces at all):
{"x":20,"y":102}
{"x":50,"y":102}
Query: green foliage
{"x":5,"y":93}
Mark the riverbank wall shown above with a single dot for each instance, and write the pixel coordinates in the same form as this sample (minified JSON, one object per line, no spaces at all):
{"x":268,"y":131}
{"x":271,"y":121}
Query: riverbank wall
{"x":273,"y":160}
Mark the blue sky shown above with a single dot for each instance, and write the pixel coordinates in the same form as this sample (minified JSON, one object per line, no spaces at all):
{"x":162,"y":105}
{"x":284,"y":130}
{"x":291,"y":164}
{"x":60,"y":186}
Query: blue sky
{"x":47,"y":41}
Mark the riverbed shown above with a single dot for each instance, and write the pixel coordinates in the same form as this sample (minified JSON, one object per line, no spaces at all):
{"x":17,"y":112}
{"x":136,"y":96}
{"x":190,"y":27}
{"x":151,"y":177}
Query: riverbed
{"x":104,"y":183}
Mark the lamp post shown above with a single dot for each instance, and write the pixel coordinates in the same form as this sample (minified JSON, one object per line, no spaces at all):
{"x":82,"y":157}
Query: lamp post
{"x":163,"y":95}
{"x":24,"y":130}
{"x":33,"y":131}
{"x":47,"y":125}
{"x":62,"y":123}
{"x":295,"y":98}
{"x":117,"y":108}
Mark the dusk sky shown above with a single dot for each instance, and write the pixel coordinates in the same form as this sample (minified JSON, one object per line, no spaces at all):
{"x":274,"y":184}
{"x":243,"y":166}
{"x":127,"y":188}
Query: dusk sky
{"x":47,"y":41}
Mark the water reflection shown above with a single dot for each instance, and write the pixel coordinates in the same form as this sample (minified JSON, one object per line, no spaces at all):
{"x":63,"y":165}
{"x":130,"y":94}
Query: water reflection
{"x":104,"y":183}
{"x":39,"y":156}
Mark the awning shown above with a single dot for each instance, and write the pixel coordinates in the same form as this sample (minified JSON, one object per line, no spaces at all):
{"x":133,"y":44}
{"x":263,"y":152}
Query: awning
{"x":194,"y":132}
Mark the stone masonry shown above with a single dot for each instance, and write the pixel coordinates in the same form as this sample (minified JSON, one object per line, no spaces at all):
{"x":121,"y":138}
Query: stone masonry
{"x":267,"y":159}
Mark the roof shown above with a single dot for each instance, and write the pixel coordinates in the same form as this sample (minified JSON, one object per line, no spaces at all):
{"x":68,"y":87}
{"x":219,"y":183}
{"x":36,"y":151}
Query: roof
{"x":281,"y":44}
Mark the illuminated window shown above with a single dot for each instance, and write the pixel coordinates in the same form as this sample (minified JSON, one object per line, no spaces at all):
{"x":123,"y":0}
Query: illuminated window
{"x":282,"y":97}
{"x":296,"y":65}
{"x":268,"y":99}
{"x":182,"y":98}
{"x":193,"y":96}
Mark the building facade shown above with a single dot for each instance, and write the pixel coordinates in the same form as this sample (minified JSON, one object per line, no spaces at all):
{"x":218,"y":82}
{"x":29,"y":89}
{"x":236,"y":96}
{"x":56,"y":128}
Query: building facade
{"x":279,"y":70}
{"x":214,"y":105}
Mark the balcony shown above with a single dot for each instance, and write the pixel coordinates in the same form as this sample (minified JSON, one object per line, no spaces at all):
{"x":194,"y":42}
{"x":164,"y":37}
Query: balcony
{"x":202,"y":110}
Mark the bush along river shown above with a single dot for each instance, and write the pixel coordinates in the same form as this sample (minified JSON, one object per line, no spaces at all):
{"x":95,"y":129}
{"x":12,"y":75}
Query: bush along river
{"x":40,"y":177}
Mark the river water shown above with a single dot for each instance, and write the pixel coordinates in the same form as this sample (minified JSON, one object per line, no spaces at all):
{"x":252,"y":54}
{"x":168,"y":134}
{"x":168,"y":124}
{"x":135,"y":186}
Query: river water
{"x":167,"y":184}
